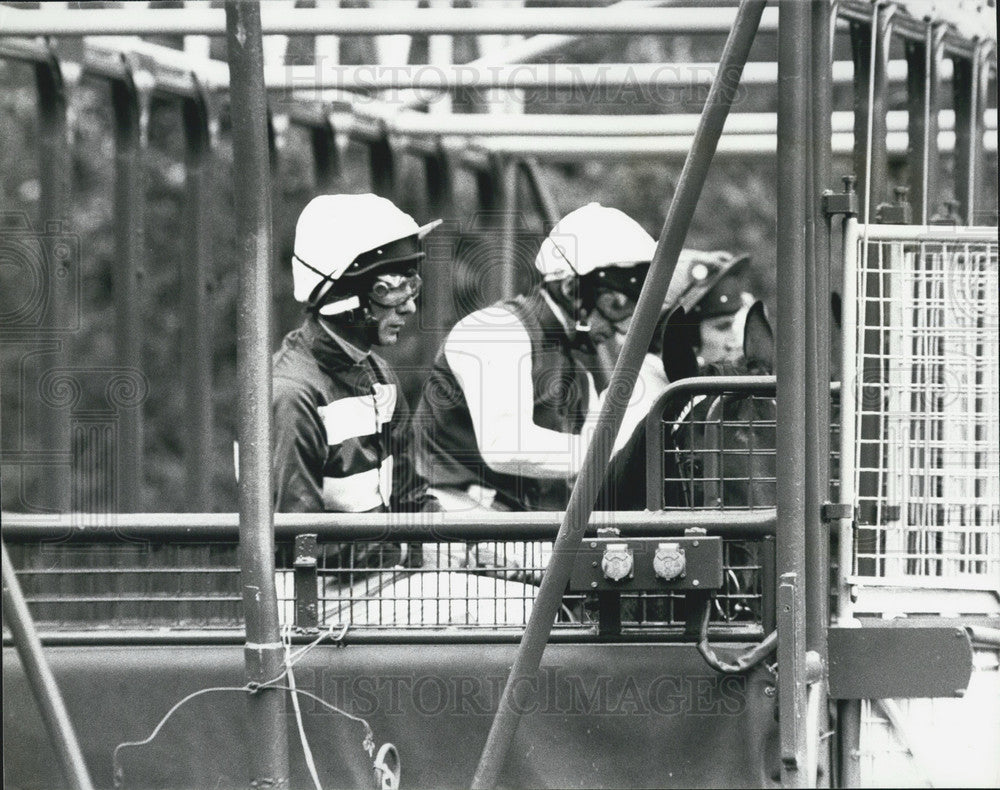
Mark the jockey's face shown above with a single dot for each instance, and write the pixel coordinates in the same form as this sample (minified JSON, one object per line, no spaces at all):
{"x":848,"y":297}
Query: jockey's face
{"x":612,"y":315}
{"x":722,"y":338}
{"x":390,"y":320}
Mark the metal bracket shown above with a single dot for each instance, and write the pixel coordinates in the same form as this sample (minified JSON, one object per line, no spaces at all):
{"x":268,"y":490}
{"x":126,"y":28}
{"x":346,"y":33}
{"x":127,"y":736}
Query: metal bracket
{"x":898,"y":213}
{"x":845,"y":202}
{"x":306,"y":592}
{"x":898,"y":660}
{"x":835,"y":511}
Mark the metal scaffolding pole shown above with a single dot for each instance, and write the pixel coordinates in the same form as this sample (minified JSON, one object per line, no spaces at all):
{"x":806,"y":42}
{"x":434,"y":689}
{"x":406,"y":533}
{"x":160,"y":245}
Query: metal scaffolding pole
{"x":130,"y":218}
{"x":197,"y":329}
{"x":263,"y":651}
{"x":794,"y":44}
{"x":923,"y":98}
{"x":366,"y":22}
{"x":43,"y":683}
{"x":61,"y":297}
{"x":595,"y":464}
{"x":817,"y":387}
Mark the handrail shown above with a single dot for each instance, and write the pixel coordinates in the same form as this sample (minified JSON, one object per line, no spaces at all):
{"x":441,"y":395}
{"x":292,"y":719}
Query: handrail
{"x":476,"y":525}
{"x":363,"y":21}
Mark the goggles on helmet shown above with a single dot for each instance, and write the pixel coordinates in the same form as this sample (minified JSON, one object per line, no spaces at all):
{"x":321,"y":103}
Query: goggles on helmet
{"x":614,"y":305}
{"x":393,"y":290}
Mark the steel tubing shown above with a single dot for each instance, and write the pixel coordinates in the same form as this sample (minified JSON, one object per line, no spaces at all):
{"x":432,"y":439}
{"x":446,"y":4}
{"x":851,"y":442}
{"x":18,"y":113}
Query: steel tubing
{"x":43,"y":684}
{"x":63,"y":291}
{"x":197,"y":284}
{"x":748,"y":123}
{"x":794,"y":44}
{"x":485,"y":76}
{"x":362,"y":21}
{"x":263,"y":651}
{"x":571,"y":531}
{"x":548,"y":147}
{"x":486,"y":525}
{"x":923,"y":98}
{"x":130,"y":217}
{"x":817,"y":387}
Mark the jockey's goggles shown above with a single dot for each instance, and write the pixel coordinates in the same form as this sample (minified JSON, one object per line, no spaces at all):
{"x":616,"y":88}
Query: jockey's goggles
{"x":394,"y":290}
{"x":614,"y":305}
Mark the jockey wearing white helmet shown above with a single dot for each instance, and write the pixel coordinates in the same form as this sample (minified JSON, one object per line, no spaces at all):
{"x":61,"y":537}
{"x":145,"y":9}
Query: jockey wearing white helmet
{"x":507,"y":411}
{"x":342,"y":440}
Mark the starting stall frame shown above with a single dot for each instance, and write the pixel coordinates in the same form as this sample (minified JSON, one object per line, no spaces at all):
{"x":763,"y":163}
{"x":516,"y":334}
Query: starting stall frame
{"x":918,"y":434}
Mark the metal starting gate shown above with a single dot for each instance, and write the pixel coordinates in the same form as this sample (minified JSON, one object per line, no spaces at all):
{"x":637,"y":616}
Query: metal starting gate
{"x":855,"y":646}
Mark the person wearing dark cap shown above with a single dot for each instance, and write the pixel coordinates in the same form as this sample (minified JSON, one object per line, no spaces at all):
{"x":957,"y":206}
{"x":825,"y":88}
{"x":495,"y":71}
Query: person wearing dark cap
{"x":713,"y":292}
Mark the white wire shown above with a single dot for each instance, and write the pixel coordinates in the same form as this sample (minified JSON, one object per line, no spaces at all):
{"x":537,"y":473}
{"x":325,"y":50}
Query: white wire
{"x":368,"y":743}
{"x":306,"y":750}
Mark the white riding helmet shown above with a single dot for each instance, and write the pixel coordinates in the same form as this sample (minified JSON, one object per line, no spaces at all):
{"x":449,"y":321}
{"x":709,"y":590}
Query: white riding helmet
{"x":334,"y":231}
{"x":590,"y":238}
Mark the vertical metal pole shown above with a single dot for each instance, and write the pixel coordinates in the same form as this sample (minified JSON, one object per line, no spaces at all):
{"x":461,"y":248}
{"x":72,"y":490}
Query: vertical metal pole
{"x":878,"y":190}
{"x":382,"y":162}
{"x":54,"y":175}
{"x":438,"y":311}
{"x":43,"y":683}
{"x":197,"y":283}
{"x":870,"y":109}
{"x":130,"y":215}
{"x":508,"y":228}
{"x":969,"y":82}
{"x":543,"y":197}
{"x":263,"y":651}
{"x":964,"y":99}
{"x":817,"y":387}
{"x":849,"y":742}
{"x":326,"y":158}
{"x":795,"y":41}
{"x":923,"y":101}
{"x":647,"y":312}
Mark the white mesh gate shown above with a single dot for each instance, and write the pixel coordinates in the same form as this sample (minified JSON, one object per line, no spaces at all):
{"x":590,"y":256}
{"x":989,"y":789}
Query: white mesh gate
{"x":920,"y":455}
{"x":920,"y":439}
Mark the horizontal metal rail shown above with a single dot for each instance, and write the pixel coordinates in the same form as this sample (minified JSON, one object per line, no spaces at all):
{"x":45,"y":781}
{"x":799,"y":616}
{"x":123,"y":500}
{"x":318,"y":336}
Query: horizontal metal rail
{"x":485,"y":525}
{"x":928,"y":234}
{"x":426,"y":635}
{"x":372,"y":76}
{"x":630,"y":125}
{"x":201,"y":21}
{"x":553,"y":147}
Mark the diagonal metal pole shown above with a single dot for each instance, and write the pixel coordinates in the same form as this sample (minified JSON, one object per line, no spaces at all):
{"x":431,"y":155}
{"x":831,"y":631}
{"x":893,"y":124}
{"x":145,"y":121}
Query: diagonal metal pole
{"x":43,"y":683}
{"x":571,"y":531}
{"x":263,"y":650}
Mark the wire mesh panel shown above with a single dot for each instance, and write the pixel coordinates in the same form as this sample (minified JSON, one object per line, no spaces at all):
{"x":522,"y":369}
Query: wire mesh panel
{"x":920,"y":441}
{"x":716,"y":447}
{"x":122,"y":585}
